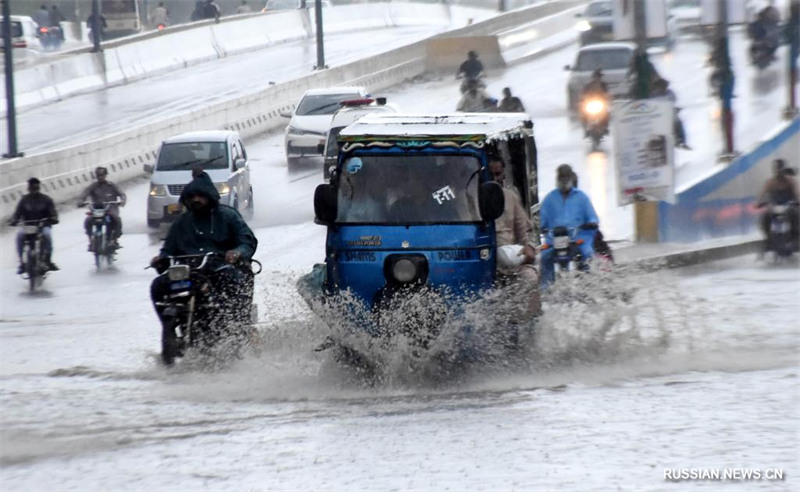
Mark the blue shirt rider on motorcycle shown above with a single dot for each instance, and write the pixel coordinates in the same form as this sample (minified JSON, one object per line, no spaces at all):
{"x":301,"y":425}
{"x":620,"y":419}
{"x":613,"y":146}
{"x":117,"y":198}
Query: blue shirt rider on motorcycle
{"x":569,"y":207}
{"x":209,"y":227}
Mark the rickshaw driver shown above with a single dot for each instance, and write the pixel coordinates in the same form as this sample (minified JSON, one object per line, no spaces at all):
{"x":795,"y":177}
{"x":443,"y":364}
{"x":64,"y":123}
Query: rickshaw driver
{"x":514,"y":227}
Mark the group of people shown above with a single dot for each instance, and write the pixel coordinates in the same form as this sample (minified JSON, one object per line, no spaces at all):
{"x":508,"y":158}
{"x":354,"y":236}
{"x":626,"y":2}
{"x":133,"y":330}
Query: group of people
{"x":765,"y":30}
{"x":50,"y":18}
{"x":474,"y":98}
{"x":207,"y":227}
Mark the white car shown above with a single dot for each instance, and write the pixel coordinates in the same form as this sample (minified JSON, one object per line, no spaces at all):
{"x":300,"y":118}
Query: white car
{"x":309,"y":124}
{"x":23,"y":36}
{"x":350,"y":112}
{"x":220,"y":154}
{"x":614,"y":59}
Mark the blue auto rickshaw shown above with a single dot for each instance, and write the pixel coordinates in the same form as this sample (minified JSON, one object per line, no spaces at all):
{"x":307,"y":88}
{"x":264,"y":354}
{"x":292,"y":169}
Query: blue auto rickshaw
{"x":410,"y":210}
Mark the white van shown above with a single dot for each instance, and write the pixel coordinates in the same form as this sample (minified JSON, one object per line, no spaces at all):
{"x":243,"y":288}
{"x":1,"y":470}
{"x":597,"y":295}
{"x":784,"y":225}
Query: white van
{"x":351,"y":111}
{"x":220,"y":154}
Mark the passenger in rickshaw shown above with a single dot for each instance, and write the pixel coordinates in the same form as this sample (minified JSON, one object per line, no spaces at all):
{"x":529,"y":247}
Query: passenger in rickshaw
{"x":516,"y":249}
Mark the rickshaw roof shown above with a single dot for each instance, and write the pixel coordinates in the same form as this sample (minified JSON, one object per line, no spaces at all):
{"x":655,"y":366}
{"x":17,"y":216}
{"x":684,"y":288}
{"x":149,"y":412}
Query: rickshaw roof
{"x":460,"y":126}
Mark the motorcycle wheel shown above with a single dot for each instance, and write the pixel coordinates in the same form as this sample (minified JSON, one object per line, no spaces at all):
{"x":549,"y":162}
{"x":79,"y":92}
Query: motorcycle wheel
{"x":169,"y":343}
{"x":596,"y":139}
{"x":97,"y":246}
{"x":31,"y":268}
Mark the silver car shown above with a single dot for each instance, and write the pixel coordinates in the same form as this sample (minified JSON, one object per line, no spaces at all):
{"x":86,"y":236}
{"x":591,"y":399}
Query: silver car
{"x":220,"y":154}
{"x":613,"y":59}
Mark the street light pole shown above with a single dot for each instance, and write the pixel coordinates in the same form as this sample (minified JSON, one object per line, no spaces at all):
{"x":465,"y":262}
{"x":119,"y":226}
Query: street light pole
{"x":11,"y":110}
{"x":320,"y":42}
{"x":728,"y":79}
{"x":793,"y":28}
{"x":96,"y":26}
{"x":643,"y":66}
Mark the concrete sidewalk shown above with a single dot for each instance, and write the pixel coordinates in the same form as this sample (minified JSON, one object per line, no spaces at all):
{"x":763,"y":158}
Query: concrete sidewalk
{"x":675,"y":255}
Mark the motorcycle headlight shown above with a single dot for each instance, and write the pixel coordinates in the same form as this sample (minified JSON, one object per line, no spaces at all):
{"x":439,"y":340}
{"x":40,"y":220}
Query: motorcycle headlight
{"x":404,"y":270}
{"x":584,"y":26}
{"x":176,"y":273}
{"x":594,"y":107}
{"x":158,"y":190}
{"x":223,"y":188}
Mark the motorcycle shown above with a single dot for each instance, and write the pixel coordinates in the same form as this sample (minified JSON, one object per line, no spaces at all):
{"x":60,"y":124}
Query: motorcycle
{"x":566,"y":245}
{"x":104,"y":247}
{"x":50,"y":37}
{"x":194,"y":303}
{"x":595,"y":116}
{"x":780,"y":240}
{"x":466,"y":81}
{"x":33,"y":254}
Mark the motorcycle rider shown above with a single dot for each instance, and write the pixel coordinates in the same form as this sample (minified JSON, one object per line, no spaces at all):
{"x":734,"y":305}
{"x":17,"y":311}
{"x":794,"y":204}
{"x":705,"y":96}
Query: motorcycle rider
{"x":780,"y":188}
{"x":474,"y":99}
{"x":510,"y":104}
{"x":514,"y":227}
{"x":99,"y":192}
{"x":42,"y":17}
{"x":470,"y":69}
{"x":160,"y":16}
{"x":34,"y":207}
{"x":766,"y":31}
{"x":569,"y":207}
{"x":207,"y":226}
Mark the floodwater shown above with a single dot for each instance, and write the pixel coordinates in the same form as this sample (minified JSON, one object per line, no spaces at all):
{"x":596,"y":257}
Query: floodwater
{"x":695,"y":370}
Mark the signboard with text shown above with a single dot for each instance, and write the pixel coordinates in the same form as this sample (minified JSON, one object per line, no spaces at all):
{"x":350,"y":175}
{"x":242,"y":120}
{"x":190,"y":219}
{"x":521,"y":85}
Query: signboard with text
{"x":644,"y":150}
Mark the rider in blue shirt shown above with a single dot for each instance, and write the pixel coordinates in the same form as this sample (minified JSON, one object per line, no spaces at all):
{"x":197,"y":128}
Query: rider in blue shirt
{"x":569,"y":207}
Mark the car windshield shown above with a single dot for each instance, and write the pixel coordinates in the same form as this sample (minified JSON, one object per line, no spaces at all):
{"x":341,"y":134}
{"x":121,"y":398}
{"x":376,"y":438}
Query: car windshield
{"x":282,"y":4}
{"x":608,"y":59}
{"x":598,"y":9}
{"x":322,"y":103}
{"x":16,"y":29}
{"x":685,"y":3}
{"x":189,"y":155}
{"x":421,"y":188}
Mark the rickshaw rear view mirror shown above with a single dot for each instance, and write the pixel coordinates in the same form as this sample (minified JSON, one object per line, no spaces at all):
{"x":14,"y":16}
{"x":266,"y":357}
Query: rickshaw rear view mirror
{"x":325,"y":203}
{"x":491,"y":201}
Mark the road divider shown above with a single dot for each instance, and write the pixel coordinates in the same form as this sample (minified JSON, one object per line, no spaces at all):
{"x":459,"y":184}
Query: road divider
{"x":65,"y":172}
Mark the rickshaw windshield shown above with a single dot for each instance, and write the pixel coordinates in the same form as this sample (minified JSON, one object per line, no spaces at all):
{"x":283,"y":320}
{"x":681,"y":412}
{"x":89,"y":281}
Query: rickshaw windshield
{"x":409,"y":188}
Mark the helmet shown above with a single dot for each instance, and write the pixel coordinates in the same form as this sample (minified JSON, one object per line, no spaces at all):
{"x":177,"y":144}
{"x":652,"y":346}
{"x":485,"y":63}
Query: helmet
{"x":34,"y":181}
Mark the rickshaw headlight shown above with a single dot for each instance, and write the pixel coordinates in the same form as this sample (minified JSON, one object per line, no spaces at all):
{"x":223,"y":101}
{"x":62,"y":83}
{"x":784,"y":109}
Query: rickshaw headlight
{"x":404,"y":270}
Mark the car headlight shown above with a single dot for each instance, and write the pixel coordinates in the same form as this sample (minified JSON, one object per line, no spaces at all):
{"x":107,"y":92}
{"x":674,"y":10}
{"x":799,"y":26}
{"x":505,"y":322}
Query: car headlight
{"x":223,"y":188}
{"x":158,"y":190}
{"x":298,"y":131}
{"x":584,"y":26}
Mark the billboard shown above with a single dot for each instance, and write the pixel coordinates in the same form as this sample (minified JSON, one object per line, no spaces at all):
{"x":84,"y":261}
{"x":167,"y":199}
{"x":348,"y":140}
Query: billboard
{"x":644,"y":150}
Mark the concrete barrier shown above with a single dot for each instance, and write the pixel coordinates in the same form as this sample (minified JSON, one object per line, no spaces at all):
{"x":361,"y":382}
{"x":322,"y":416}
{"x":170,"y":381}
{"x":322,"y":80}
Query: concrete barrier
{"x":447,"y":53}
{"x":65,"y":172}
{"x":723,"y":203}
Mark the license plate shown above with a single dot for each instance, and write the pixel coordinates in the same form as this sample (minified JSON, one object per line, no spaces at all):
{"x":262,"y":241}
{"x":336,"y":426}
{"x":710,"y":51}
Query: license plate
{"x":182,"y":285}
{"x":780,"y":227}
{"x":560,"y":242}
{"x":174,"y":208}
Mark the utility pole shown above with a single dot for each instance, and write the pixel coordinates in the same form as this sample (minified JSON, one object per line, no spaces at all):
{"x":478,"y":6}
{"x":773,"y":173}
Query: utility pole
{"x":723,"y":61}
{"x":643,"y":66}
{"x":793,"y":28}
{"x":11,"y":110}
{"x":320,"y":43}
{"x":96,"y":26}
{"x":645,"y":212}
